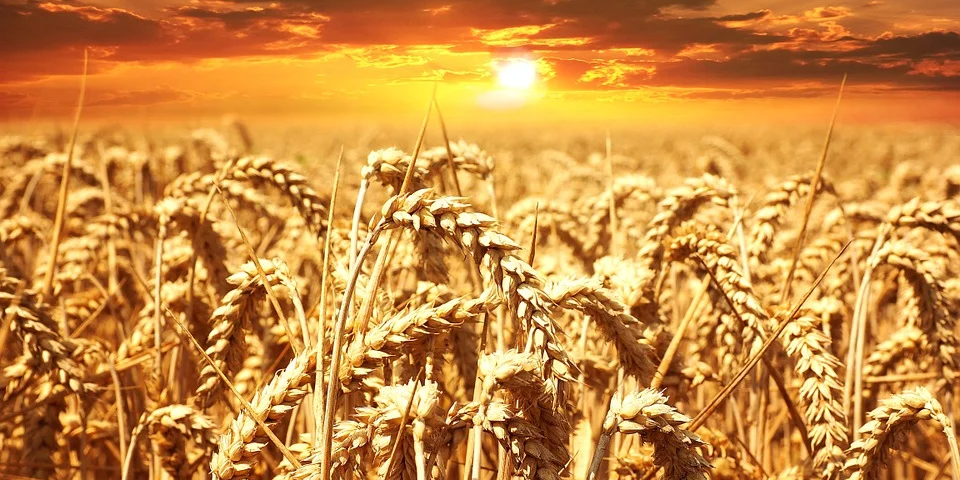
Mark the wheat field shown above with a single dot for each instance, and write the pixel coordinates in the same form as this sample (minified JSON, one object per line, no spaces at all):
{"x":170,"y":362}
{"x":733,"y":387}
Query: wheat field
{"x":537,"y":306}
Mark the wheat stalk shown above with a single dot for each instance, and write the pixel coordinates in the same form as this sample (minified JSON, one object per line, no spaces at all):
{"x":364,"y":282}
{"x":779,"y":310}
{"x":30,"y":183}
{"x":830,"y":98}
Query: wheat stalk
{"x":820,"y":393}
{"x":888,"y":424}
{"x":647,"y":414}
{"x":515,"y":280}
{"x":232,"y":319}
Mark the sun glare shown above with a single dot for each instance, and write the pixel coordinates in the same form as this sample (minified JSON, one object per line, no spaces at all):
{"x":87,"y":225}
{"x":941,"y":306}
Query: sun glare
{"x":518,"y":74}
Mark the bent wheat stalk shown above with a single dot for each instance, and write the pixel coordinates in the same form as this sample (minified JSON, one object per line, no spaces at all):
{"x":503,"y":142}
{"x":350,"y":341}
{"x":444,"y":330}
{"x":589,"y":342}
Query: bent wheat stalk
{"x":886,"y":427}
{"x":647,"y":414}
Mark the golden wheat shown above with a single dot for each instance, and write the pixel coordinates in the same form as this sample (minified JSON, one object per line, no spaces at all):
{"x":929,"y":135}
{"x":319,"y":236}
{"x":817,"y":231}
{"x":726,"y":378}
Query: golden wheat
{"x":531,"y":324}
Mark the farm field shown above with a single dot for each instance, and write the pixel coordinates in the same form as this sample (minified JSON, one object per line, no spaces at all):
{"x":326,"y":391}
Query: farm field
{"x":236,"y":301}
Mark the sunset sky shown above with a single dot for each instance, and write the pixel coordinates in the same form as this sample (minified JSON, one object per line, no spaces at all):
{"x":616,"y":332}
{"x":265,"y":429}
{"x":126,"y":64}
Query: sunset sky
{"x":644,"y":61}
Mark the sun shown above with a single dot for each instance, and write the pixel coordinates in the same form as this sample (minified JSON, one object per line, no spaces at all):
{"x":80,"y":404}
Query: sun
{"x":517,"y":74}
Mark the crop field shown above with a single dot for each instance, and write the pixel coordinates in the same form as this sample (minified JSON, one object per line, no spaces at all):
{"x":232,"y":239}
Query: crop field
{"x":226,"y":303}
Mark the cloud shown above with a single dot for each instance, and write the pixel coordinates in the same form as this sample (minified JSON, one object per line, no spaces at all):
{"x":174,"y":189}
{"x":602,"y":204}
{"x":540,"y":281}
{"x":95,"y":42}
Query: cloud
{"x":233,"y":19}
{"x":42,"y":39}
{"x":150,"y":96}
{"x":937,"y":68}
{"x":743,"y":17}
{"x":919,"y":62}
{"x":34,"y":26}
{"x":476,"y":24}
{"x":614,"y":74}
{"x":385,"y":56}
{"x":915,"y":47}
{"x":826,"y":13}
{"x":667,"y":35}
{"x":784,"y":67}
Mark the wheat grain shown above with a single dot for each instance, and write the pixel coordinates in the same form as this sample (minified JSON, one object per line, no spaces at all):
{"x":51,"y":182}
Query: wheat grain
{"x":887,"y":426}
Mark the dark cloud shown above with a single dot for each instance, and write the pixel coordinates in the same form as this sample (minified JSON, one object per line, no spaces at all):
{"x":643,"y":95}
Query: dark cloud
{"x":492,"y":13}
{"x":233,"y":19}
{"x":743,"y":17}
{"x":33,"y":27}
{"x":670,"y":35}
{"x":41,"y":39}
{"x":300,"y":27}
{"x":785,"y":67}
{"x":914,"y":63}
{"x":913,"y":47}
{"x":610,"y":22}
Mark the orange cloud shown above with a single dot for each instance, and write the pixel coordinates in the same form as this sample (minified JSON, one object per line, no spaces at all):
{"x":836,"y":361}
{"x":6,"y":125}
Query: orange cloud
{"x":937,"y":68}
{"x":386,"y":56}
{"x":826,"y":13}
{"x":616,"y":74}
{"x":508,"y":37}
